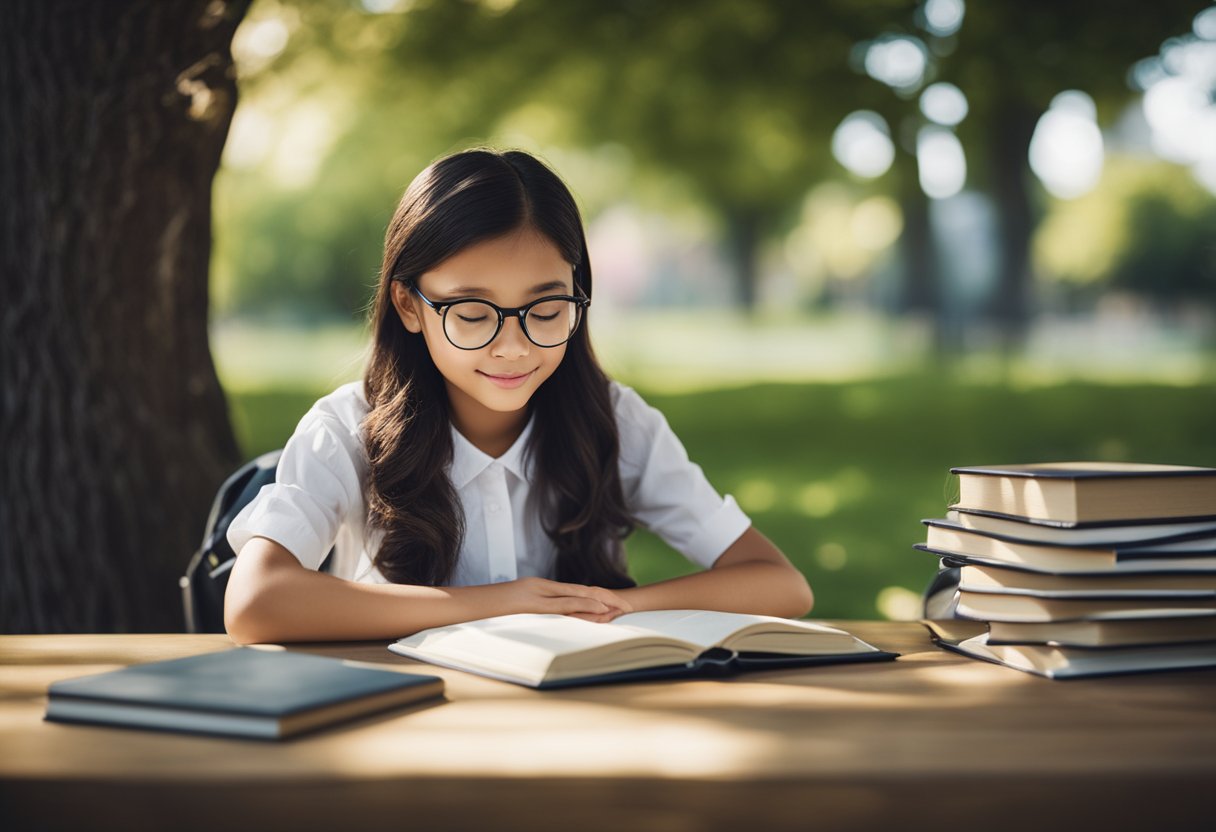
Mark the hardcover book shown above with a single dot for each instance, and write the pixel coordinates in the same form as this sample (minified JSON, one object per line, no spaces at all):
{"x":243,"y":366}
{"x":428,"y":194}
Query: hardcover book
{"x":1078,"y":493}
{"x":1075,"y":663}
{"x":973,"y":578}
{"x":243,"y":692}
{"x":551,"y":651}
{"x":1027,"y":531}
{"x":1106,"y":633}
{"x":985,"y":606}
{"x":953,"y":541}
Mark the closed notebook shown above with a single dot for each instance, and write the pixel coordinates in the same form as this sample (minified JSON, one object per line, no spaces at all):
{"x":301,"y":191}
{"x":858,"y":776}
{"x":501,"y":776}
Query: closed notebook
{"x":1080,"y":493}
{"x":550,"y":651}
{"x":244,"y":692}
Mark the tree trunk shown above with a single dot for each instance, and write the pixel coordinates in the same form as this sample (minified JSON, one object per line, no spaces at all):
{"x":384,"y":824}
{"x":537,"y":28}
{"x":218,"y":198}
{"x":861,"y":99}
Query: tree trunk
{"x":1012,"y":127}
{"x":115,"y":429}
{"x":922,"y":292}
{"x":744,"y":245}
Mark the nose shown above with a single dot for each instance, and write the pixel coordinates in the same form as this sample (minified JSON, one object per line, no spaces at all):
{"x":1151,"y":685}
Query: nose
{"x":511,"y":343}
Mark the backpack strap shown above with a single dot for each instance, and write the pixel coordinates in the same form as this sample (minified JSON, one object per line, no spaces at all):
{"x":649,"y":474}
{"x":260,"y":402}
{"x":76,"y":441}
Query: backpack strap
{"x":941,"y":596}
{"x":206,"y":577}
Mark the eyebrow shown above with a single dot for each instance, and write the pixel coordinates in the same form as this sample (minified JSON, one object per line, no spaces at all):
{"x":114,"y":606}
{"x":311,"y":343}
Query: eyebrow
{"x":479,"y":290}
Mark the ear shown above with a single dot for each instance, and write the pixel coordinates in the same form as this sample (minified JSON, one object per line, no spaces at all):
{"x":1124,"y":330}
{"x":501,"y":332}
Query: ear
{"x":403,"y":302}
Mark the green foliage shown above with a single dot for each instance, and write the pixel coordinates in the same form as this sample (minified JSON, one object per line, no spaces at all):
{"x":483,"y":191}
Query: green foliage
{"x":727,"y":103}
{"x":1148,"y":228}
{"x":736,"y":99}
{"x":1171,"y":251}
{"x":724,"y":105}
{"x":839,"y":475}
{"x":1015,"y":56}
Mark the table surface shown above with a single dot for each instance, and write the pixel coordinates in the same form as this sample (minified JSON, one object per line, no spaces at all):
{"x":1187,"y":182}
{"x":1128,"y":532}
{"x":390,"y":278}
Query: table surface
{"x":923,"y":740}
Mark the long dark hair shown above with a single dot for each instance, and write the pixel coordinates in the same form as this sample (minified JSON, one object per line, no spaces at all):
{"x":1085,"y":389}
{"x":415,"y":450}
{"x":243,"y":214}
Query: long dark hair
{"x":458,"y":201}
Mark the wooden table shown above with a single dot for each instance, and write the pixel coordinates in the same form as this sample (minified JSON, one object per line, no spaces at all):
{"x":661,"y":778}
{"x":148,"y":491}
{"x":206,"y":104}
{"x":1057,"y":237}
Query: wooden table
{"x":931,"y":741}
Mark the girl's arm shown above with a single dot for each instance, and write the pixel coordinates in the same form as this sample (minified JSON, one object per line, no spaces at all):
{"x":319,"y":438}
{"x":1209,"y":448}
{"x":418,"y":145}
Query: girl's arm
{"x":751,"y":576}
{"x":272,"y":598}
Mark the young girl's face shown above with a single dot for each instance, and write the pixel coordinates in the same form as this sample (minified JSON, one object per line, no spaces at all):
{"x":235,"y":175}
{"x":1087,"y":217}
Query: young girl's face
{"x":509,"y":271}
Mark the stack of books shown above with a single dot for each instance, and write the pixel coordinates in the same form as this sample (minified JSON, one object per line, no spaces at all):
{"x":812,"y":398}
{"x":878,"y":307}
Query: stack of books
{"x":1079,"y":569}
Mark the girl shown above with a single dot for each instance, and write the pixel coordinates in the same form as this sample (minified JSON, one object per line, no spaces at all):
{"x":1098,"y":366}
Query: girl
{"x":485,"y":465}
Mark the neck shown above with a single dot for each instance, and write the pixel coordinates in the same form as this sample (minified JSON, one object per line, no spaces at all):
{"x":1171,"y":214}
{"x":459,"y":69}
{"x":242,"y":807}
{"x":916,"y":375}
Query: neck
{"x":490,"y":431}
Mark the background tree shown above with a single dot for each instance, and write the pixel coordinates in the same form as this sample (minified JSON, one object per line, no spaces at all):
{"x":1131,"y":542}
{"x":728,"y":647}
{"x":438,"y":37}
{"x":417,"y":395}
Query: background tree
{"x":730,"y":105}
{"x":115,"y":430}
{"x":736,"y":102}
{"x":724,"y":105}
{"x":1010,"y":61}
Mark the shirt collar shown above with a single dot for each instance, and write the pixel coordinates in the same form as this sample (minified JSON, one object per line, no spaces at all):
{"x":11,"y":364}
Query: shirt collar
{"x":469,"y":461}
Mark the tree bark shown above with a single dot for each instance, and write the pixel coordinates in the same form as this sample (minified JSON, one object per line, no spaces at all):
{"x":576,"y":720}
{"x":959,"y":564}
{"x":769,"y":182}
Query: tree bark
{"x":115,"y":429}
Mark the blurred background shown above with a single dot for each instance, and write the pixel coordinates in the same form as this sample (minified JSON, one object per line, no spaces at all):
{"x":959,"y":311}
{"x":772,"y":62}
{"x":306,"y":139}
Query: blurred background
{"x":843,"y":246}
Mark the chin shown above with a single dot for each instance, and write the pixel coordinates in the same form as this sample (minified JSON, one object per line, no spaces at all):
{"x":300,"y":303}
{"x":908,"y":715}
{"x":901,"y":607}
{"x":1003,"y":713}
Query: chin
{"x":506,"y":401}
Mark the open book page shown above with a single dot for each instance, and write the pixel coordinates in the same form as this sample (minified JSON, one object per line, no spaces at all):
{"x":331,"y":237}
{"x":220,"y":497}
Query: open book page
{"x":526,"y":645}
{"x":737,"y":631}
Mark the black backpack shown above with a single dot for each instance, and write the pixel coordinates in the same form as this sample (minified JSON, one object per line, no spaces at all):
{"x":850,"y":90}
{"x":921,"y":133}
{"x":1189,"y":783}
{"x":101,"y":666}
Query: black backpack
{"x":206,"y":577}
{"x":940,"y":598}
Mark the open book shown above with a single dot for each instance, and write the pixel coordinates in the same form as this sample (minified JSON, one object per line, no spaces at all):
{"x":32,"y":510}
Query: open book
{"x":549,"y":651}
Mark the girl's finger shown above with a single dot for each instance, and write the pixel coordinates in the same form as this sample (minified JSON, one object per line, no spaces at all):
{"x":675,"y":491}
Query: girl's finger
{"x":582,"y":605}
{"x":606,"y":595}
{"x":579,"y":590}
{"x":597,"y":619}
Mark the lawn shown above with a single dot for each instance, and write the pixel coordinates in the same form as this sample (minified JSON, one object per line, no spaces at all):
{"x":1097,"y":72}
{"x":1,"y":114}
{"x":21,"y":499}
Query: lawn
{"x":840,"y":474}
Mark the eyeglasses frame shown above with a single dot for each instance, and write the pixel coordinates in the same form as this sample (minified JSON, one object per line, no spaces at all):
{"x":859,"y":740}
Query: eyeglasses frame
{"x":518,"y":312}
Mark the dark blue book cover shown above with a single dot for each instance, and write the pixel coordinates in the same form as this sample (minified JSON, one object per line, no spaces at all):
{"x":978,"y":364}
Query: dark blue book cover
{"x":243,"y":691}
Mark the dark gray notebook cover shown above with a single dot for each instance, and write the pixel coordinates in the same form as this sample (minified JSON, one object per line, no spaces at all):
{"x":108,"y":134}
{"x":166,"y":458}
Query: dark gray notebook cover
{"x":243,"y":681}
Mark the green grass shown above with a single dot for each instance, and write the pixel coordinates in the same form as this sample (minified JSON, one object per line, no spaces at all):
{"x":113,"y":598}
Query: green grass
{"x":839,"y":474}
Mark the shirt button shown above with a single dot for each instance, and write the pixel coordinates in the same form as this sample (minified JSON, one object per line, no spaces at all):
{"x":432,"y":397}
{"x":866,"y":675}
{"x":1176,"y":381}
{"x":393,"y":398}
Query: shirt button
{"x":493,"y":507}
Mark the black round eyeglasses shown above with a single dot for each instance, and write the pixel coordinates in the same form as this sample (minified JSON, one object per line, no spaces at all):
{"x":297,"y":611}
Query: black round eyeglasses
{"x":470,"y":323}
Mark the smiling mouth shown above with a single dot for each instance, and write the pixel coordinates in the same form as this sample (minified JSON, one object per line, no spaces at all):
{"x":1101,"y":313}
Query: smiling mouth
{"x":508,"y":382}
{"x":507,"y":376}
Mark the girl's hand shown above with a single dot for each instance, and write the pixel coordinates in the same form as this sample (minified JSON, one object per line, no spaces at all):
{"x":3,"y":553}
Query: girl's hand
{"x":538,"y":595}
{"x":618,"y":605}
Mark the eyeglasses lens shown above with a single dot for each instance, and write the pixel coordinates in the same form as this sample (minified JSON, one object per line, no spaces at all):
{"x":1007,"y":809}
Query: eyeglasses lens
{"x":471,"y":324}
{"x":552,"y":322}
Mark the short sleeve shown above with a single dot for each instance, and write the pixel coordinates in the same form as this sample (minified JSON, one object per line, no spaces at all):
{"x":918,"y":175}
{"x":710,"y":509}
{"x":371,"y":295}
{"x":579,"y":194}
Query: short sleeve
{"x":665,"y":491}
{"x":318,"y":484}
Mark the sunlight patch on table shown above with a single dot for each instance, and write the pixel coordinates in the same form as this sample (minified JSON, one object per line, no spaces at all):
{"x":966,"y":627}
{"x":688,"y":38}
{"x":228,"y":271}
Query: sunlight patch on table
{"x":559,"y":737}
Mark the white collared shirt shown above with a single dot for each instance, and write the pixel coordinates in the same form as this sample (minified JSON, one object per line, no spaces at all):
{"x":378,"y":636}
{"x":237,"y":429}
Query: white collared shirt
{"x":317,"y":501}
